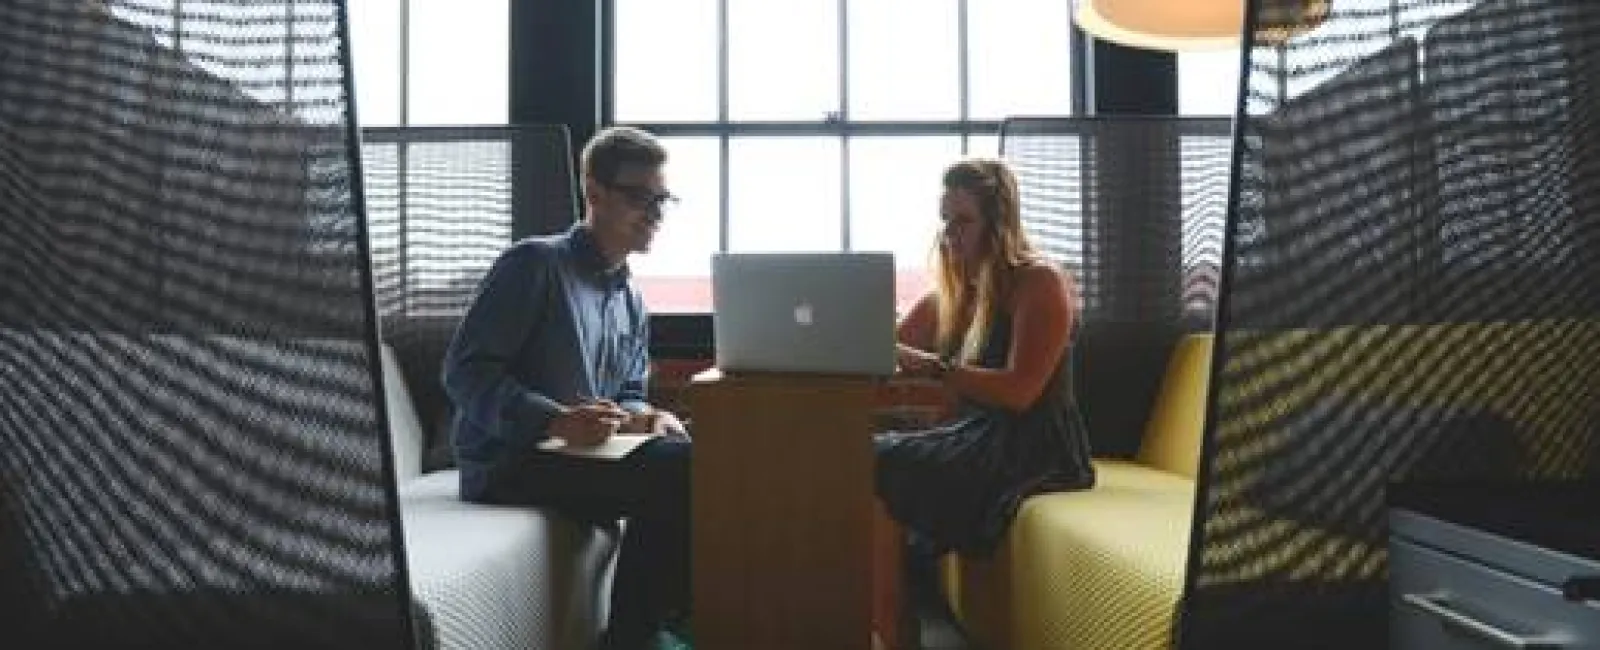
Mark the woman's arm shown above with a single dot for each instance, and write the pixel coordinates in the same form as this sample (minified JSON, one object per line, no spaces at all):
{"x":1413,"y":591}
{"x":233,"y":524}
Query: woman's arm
{"x":1042,"y":315}
{"x":920,"y":326}
{"x":917,"y":336}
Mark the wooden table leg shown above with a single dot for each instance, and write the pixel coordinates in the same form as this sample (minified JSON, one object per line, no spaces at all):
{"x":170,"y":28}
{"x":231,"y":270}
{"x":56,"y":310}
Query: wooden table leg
{"x":781,"y":551}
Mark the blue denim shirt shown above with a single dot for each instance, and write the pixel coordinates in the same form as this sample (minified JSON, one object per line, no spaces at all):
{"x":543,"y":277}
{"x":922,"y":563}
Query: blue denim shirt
{"x":550,"y":327}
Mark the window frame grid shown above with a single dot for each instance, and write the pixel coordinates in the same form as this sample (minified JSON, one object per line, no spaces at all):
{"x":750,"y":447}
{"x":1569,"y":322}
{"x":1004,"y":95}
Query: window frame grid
{"x":836,"y":123}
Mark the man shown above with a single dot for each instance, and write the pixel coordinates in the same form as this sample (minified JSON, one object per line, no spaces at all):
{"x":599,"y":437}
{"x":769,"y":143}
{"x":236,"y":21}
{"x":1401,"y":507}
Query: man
{"x":553,"y":351}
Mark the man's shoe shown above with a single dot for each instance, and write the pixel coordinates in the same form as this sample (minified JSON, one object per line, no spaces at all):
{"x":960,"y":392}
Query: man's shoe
{"x":666,"y":640}
{"x":678,"y":624}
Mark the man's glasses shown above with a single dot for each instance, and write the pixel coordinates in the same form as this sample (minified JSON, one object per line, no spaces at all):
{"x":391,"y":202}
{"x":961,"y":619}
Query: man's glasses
{"x":645,"y":198}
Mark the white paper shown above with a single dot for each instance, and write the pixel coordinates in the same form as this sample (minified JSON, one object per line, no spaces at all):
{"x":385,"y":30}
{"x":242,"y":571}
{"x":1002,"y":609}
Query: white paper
{"x":615,"y":447}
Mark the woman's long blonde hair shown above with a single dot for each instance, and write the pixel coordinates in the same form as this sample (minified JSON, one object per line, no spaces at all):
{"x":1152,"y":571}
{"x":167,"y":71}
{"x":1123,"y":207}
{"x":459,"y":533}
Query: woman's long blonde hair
{"x":968,"y":297}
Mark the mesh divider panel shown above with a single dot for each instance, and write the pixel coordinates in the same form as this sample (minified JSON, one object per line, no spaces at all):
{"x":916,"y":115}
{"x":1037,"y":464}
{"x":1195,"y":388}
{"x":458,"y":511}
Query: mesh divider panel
{"x":1410,"y":296}
{"x":191,"y":442}
{"x":443,"y":203}
{"x":1134,"y":207}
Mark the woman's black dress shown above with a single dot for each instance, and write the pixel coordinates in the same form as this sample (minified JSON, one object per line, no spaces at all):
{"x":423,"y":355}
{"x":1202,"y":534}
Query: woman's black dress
{"x":958,"y":485}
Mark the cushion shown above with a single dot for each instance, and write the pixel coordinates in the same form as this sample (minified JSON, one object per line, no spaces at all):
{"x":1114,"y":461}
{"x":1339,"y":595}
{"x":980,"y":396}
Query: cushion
{"x":405,"y":428}
{"x":1172,"y":435}
{"x":1100,"y":568}
{"x":493,"y":577}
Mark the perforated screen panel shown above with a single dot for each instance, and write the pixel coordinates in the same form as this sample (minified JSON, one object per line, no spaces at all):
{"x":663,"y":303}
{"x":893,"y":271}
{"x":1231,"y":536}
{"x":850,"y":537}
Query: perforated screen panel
{"x":191,"y":446}
{"x":1412,"y":293}
{"x":443,"y":204}
{"x":1134,"y":208}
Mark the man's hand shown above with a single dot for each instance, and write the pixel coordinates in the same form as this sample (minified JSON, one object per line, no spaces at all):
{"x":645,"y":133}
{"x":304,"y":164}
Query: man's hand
{"x":916,"y":363}
{"x":640,"y":421}
{"x":655,"y":421}
{"x":670,"y":426}
{"x":588,"y":424}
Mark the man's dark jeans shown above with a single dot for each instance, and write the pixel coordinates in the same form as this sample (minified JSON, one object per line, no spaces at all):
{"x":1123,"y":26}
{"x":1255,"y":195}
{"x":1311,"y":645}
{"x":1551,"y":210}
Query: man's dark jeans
{"x":650,"y":489}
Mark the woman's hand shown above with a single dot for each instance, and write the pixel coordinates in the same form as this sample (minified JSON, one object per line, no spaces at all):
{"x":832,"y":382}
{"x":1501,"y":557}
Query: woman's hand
{"x":917,"y":363}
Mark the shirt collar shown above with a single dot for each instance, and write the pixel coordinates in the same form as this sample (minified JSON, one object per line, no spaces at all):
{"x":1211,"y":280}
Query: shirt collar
{"x":587,"y":251}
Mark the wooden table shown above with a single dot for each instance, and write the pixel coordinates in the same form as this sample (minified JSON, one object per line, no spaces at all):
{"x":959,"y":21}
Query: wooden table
{"x":790,"y":547}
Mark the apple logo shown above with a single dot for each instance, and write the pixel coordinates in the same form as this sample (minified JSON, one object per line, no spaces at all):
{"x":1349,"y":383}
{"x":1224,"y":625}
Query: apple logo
{"x":803,"y":314}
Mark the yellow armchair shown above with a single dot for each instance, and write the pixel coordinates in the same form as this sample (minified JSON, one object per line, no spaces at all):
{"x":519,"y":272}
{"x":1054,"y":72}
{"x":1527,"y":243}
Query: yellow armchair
{"x":1101,"y":568}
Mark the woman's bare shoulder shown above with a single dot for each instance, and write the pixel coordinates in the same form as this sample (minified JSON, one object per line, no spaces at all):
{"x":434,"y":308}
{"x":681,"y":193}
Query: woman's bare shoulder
{"x":1041,"y":275}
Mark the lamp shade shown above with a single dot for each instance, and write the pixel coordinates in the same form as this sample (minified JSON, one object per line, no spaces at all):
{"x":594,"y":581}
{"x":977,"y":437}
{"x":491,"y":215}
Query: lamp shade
{"x":1178,"y":25}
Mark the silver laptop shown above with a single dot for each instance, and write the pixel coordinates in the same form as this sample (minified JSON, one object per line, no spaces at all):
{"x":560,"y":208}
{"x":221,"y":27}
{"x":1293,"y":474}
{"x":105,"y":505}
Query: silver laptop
{"x":830,"y":313}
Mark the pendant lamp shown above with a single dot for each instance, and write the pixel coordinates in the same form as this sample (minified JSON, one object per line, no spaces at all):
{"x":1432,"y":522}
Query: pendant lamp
{"x":1186,"y":25}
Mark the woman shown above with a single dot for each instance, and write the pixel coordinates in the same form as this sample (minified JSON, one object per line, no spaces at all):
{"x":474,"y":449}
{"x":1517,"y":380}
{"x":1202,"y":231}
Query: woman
{"x":996,"y":331}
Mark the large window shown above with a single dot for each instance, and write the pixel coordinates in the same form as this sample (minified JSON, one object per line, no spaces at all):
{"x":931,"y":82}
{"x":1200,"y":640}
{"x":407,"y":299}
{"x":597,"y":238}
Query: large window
{"x":1208,"y":82}
{"x":823,"y":125}
{"x":430,"y":62}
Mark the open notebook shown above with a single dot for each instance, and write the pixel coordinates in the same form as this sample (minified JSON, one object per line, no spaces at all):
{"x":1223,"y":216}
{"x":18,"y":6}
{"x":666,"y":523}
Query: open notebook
{"x":615,"y":447}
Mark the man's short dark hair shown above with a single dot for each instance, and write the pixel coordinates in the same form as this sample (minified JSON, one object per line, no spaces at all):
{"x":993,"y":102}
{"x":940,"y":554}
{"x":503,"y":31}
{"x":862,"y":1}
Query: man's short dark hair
{"x":616,"y":147}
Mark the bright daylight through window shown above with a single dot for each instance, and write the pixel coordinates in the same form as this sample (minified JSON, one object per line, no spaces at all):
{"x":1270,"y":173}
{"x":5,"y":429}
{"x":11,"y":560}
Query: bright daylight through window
{"x":430,"y":62}
{"x":820,"y":125}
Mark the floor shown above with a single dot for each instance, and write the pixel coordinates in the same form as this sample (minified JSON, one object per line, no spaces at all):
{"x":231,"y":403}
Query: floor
{"x":938,"y":631}
{"x":941,"y":634}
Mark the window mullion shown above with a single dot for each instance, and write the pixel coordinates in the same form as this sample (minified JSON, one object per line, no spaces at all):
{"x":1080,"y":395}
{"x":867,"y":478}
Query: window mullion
{"x":722,"y":121}
{"x":405,"y":63}
{"x":842,"y":120}
{"x":964,"y":110}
